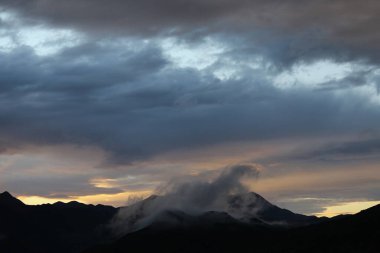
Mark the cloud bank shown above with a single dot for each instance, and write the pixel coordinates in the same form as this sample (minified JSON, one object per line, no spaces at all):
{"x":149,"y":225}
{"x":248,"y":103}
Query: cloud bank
{"x":141,"y":80}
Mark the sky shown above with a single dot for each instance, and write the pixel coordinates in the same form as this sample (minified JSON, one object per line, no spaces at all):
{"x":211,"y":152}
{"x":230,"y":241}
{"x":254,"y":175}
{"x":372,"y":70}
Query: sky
{"x":105,"y":101}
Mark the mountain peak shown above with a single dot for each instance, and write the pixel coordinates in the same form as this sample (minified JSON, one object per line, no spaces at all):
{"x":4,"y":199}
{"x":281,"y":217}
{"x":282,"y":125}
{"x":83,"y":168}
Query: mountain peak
{"x":249,"y":200}
{"x":5,"y":194}
{"x":251,"y":205}
{"x":7,"y":200}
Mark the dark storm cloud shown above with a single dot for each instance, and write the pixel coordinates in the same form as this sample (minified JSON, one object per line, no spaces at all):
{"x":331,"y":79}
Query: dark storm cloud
{"x":134,"y":104}
{"x":113,"y":84}
{"x":82,"y":69}
{"x":144,"y":16}
{"x":289,"y":30}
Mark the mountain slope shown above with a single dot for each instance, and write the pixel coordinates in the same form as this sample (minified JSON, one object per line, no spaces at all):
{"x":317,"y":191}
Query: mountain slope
{"x":252,"y":223}
{"x":356,"y":233}
{"x":249,"y":208}
{"x":9,"y":202}
{"x":49,"y":228}
{"x":252,"y":205}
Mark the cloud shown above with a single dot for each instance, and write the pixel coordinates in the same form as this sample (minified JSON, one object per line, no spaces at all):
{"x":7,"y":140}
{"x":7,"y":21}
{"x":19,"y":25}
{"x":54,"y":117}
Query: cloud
{"x":287,"y":31}
{"x":355,"y":79}
{"x":345,"y":150}
{"x":202,"y":195}
{"x":190,"y":194}
{"x":111,"y":82}
{"x":132,"y":102}
{"x":55,"y":186}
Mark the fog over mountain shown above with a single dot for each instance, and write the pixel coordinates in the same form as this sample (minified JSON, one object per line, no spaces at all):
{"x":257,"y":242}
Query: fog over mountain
{"x":226,"y":193}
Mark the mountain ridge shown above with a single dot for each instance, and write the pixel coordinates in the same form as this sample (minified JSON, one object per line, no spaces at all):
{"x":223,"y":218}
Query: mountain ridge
{"x":76,"y":227}
{"x":8,"y":201}
{"x":39,"y":228}
{"x":348,"y":234}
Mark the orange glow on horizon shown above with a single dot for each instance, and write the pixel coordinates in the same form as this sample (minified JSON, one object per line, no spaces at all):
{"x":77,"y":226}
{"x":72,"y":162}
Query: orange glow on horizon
{"x":116,"y":200}
{"x":121,"y":199}
{"x":347,"y":208}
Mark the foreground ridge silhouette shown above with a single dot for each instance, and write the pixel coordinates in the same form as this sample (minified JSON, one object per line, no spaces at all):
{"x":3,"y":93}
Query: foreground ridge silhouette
{"x":76,"y":227}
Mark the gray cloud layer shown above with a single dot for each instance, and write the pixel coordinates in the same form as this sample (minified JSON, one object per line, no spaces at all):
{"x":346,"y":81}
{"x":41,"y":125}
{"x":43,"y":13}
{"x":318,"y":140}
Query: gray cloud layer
{"x":118,"y":90}
{"x":133,"y":103}
{"x":288,"y":30}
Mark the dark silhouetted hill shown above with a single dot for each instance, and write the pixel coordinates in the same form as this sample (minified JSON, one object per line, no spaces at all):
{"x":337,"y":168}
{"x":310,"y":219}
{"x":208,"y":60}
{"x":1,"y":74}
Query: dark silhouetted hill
{"x":48,"y":228}
{"x":358,"y":233}
{"x":251,"y":224}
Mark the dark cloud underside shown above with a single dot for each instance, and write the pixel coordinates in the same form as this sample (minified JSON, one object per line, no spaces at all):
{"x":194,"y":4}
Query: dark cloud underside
{"x":345,"y":29}
{"x":133,"y":104}
{"x":130,"y":78}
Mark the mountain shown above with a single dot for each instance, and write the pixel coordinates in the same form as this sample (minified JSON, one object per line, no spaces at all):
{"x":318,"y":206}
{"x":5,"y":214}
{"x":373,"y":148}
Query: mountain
{"x":253,"y":206}
{"x":347,"y":234}
{"x":249,"y":223}
{"x":73,"y":226}
{"x":249,"y":208}
{"x":7,"y":201}
{"x":170,"y":219}
{"x":48,"y":228}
